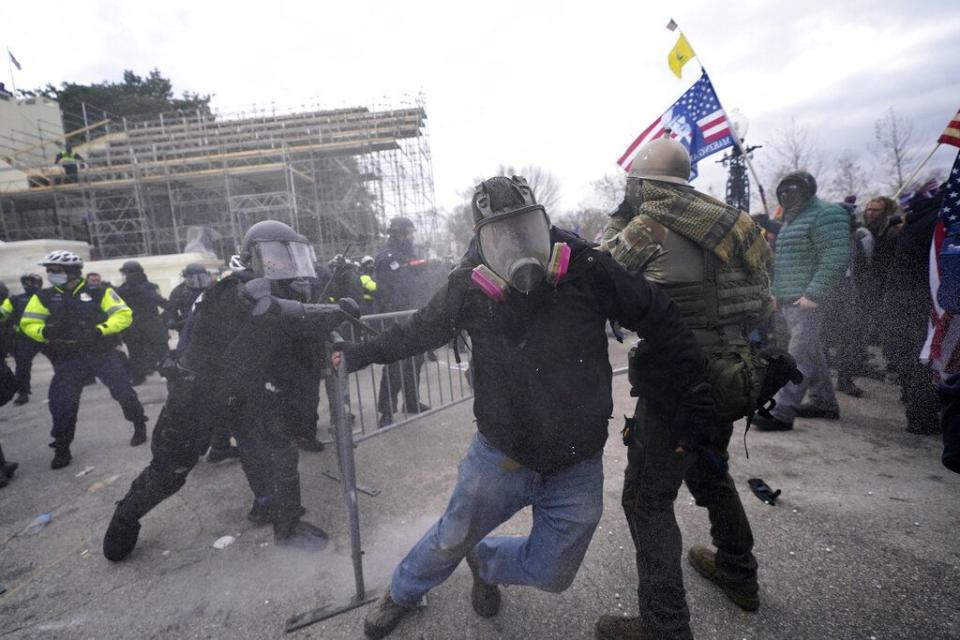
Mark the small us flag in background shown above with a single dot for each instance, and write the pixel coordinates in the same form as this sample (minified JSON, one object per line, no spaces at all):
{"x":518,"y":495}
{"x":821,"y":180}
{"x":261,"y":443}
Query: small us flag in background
{"x":696,"y":120}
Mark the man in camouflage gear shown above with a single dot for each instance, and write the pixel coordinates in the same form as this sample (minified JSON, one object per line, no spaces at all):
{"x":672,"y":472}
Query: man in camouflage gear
{"x":712,"y":261}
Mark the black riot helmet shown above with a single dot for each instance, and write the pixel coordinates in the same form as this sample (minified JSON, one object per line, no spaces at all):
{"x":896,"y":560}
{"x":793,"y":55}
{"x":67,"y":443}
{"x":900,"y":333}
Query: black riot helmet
{"x":133,"y":272}
{"x":401,"y":232}
{"x":196,"y":276}
{"x":274,"y":251}
{"x":795,"y":190}
{"x":513,"y":231}
{"x":31,"y":282}
{"x":131,"y":266}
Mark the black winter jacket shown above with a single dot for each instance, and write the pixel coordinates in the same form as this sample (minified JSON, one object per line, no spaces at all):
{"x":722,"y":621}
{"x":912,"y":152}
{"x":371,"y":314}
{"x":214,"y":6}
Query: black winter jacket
{"x":542,"y":375}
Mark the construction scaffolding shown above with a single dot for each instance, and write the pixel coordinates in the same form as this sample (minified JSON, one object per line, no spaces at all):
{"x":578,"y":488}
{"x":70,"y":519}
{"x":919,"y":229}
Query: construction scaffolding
{"x":164,"y":184}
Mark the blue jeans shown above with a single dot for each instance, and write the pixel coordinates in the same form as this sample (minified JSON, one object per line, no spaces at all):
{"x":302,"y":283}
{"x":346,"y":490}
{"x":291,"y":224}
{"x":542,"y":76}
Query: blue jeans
{"x":491,"y":488}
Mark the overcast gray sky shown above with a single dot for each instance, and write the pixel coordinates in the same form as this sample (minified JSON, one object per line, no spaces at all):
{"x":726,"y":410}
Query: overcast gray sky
{"x":565,"y":85}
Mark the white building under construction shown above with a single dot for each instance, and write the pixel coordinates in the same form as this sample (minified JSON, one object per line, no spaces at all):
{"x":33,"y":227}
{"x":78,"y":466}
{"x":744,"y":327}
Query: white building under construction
{"x":170,"y":183}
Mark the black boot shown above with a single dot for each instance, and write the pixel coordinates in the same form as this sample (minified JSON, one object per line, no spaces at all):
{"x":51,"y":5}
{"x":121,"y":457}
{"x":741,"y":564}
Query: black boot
{"x":121,"y":536}
{"x":61,"y":456}
{"x":7,"y":469}
{"x":299,"y":535}
{"x":22,"y":398}
{"x":219,"y":455}
{"x":139,"y":434}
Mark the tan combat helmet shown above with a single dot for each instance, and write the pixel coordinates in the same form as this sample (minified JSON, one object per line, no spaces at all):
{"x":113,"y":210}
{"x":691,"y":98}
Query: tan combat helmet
{"x":663,"y":159}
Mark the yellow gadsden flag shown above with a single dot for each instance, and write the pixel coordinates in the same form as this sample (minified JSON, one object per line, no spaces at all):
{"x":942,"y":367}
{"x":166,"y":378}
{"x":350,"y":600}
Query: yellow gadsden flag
{"x":680,"y":55}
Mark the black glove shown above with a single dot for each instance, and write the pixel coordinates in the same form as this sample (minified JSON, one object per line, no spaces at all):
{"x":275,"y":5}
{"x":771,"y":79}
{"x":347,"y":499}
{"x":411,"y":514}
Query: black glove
{"x":694,"y":418}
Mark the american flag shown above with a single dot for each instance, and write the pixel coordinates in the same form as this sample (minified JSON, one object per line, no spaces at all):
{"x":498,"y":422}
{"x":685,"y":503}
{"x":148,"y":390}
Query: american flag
{"x":696,"y":120}
{"x":951,"y":134}
{"x":942,"y":348}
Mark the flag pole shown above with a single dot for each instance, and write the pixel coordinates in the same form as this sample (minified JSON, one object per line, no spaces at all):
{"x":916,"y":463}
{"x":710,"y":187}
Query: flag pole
{"x":735,"y":136}
{"x":13,"y":82}
{"x":916,"y":171}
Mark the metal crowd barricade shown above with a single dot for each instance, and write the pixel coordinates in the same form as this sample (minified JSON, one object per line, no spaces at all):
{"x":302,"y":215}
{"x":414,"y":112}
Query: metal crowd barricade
{"x":436,"y":380}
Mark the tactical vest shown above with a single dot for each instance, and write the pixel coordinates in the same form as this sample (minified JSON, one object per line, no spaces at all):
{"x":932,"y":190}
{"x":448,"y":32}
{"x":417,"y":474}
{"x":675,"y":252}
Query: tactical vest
{"x":710,"y":294}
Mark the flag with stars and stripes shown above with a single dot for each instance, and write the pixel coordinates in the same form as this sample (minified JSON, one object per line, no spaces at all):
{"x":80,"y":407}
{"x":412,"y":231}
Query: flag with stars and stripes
{"x":696,"y":120}
{"x":943,"y":340}
{"x":951,"y":135}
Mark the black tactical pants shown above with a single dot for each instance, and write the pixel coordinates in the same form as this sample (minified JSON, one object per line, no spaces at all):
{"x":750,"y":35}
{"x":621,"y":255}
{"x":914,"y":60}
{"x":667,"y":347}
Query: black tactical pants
{"x":651,"y":483}
{"x":183,"y":433}
{"x":24,"y":351}
{"x":145,"y":352}
{"x":70,"y":373}
{"x":403,"y":375}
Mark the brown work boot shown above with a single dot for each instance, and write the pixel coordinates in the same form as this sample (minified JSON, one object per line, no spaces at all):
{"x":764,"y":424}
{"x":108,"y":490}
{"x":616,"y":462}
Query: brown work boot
{"x":744,"y":594}
{"x":384,"y":617}
{"x":621,"y":628}
{"x":484,"y":597}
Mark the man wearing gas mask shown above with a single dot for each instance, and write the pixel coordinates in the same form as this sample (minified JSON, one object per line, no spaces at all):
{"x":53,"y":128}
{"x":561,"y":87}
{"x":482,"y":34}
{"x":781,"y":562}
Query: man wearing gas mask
{"x":812,"y":255}
{"x":535,"y":300}
{"x":237,"y":361}
{"x":712,"y":261}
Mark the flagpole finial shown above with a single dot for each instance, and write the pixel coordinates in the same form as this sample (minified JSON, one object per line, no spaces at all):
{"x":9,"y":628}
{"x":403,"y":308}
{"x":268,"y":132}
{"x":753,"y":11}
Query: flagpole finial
{"x":672,"y":25}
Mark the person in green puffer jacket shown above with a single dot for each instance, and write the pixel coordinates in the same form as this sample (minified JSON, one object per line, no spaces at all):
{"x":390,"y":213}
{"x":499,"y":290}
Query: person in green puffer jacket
{"x":812,"y":254}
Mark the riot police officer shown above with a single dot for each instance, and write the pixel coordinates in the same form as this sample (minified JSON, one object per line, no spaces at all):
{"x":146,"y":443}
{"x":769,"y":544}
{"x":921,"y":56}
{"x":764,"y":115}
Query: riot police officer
{"x":8,"y":387}
{"x":77,"y":328}
{"x":395,"y":271}
{"x":24,"y":349}
{"x":146,"y":339}
{"x":235,"y":363}
{"x":196,"y":279}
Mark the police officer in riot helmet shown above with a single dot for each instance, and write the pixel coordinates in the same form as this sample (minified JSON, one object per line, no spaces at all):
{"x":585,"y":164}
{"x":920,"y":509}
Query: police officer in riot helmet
{"x":147,"y":337}
{"x":240,"y":363}
{"x":396,"y":271}
{"x":196,"y":278}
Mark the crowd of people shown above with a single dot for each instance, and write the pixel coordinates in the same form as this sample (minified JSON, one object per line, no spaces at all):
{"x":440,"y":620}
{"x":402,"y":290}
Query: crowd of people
{"x":736,"y":317}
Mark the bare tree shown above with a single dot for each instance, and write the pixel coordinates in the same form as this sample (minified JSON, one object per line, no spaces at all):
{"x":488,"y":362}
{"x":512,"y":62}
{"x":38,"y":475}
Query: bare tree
{"x":606,"y":192}
{"x":792,"y":148}
{"x":848,"y":178}
{"x":587,"y":222}
{"x":795,"y":148}
{"x":546,"y":187}
{"x":895,"y":147}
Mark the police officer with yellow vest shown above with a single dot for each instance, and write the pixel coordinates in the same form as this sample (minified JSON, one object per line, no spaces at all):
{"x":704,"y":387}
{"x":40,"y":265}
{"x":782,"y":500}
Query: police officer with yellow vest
{"x":78,"y":326}
{"x":70,"y":161}
{"x":24,"y":349}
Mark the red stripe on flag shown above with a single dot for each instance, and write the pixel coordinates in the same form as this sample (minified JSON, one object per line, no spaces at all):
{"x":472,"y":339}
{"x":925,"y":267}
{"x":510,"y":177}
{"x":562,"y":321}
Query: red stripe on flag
{"x":636,"y":143}
{"x":948,"y":139}
{"x":720,"y":134}
{"x":712,"y":123}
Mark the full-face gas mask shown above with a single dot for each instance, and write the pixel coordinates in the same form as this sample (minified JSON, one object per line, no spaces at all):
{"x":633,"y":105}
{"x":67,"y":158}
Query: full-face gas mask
{"x":513,"y":237}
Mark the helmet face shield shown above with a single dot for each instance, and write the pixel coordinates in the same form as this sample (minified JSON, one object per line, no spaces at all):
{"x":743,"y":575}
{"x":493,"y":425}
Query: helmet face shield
{"x":516,"y":245}
{"x":198,"y":280}
{"x":282,"y":260}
